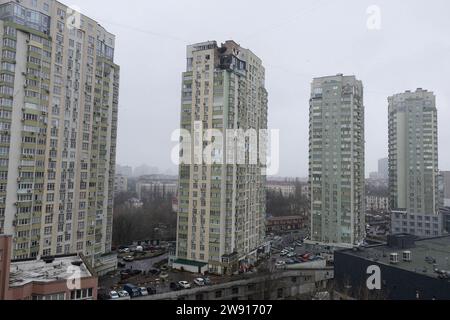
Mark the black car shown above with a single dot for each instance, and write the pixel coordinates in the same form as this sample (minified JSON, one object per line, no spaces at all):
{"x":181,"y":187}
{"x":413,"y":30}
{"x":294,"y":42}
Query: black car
{"x":136,"y":272}
{"x":154,"y":272}
{"x":151,"y":291}
{"x":121,"y":264}
{"x":175,"y":286}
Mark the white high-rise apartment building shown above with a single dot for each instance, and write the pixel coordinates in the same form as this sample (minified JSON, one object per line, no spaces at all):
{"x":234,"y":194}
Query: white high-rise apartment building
{"x":336,"y":161}
{"x":58,"y":126}
{"x":221,"y":216}
{"x":413,"y":164}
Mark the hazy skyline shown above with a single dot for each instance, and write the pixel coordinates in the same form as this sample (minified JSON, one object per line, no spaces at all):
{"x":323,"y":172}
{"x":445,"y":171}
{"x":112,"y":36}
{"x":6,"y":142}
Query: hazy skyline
{"x":296,"y":42}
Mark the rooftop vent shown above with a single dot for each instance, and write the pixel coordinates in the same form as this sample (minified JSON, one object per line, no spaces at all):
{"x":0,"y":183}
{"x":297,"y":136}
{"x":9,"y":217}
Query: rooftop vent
{"x":393,"y":258}
{"x":77,"y":263}
{"x":407,"y":256}
{"x":48,"y":260}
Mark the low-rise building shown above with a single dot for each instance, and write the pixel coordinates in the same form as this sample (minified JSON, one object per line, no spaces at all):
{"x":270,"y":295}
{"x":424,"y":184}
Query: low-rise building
{"x":421,"y":225}
{"x":134,"y":203}
{"x":285,"y":224}
{"x":286,"y":189}
{"x":402,"y":269}
{"x":52,"y":278}
{"x":156,"y":186}
{"x":377,"y":203}
{"x":292,"y":284}
{"x":120,"y":184}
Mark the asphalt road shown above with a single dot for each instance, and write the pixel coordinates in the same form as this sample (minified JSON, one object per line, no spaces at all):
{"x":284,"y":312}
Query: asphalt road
{"x":146,"y":264}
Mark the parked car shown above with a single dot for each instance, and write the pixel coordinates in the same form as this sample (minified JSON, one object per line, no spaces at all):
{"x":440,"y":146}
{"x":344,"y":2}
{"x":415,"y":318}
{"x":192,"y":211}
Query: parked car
{"x":124,"y":295}
{"x":207,"y":281}
{"x":125,"y":274}
{"x":199,"y":281}
{"x":175,"y":286}
{"x":135,"y":272}
{"x":151,"y":291}
{"x":128,"y":258}
{"x":284,"y":253}
{"x":124,"y":250}
{"x":184,"y":284}
{"x":280,"y":264}
{"x":143,"y":291}
{"x":120,"y":264}
{"x":290,"y":261}
{"x":291,"y":255}
{"x":114,"y":295}
{"x":154,"y":271}
{"x":132,"y":290}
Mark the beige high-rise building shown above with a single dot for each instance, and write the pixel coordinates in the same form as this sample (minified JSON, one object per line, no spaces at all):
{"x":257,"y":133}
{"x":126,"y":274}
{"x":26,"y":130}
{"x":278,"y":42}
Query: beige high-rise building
{"x":336,"y":161}
{"x":221,"y":216}
{"x":58,"y":126}
{"x":413,"y":164}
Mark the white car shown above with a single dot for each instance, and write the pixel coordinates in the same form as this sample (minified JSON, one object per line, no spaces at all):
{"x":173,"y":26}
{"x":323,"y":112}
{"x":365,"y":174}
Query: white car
{"x":199,"y":281}
{"x":143,"y":291}
{"x":184,"y":284}
{"x":124,"y":295}
{"x":280,"y":264}
{"x":114,"y":295}
{"x":128,"y":259}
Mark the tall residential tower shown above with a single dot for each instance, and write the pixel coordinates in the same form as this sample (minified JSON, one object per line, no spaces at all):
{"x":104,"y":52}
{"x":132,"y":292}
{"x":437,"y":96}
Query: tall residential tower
{"x":58,"y":127}
{"x":221,"y":217}
{"x":336,"y":161}
{"x":413,"y":163}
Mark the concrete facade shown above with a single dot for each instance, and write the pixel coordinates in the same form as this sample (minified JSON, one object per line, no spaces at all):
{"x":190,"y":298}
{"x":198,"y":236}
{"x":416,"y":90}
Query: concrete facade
{"x":221,"y":211}
{"x":336,"y":161}
{"x":413,"y":158}
{"x":58,"y":114}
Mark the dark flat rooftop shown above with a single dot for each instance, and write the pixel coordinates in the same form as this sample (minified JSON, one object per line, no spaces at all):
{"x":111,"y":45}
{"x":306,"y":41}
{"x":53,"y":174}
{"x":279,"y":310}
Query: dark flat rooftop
{"x":435,"y":248}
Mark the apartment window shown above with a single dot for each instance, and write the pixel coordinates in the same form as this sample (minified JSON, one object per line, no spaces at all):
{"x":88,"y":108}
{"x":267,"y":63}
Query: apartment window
{"x":82,"y":294}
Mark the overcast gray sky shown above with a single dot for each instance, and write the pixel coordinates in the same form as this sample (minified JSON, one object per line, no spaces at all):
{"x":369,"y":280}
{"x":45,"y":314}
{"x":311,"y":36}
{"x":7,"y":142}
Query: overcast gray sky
{"x":297,"y":40}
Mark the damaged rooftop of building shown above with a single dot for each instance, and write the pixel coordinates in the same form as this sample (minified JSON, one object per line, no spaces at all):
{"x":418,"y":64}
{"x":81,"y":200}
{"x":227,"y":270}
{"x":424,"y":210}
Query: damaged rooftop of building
{"x":47,"y":270}
{"x":423,"y":256}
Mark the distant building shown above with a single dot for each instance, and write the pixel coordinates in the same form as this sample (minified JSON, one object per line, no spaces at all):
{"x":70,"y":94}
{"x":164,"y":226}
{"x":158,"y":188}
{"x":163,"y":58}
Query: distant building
{"x":145,"y":170}
{"x":120,"y":184}
{"x":126,"y":171}
{"x":409,"y":269}
{"x":49,"y":279}
{"x":374,"y":176}
{"x":285,"y":188}
{"x":383,"y":168}
{"x":413,"y":163}
{"x":285,"y":224}
{"x":134,"y":203}
{"x":446,"y":187}
{"x":446,"y":219}
{"x":156,"y":188}
{"x":376,"y":203}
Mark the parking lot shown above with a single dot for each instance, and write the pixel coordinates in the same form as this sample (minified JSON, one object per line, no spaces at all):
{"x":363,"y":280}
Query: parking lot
{"x":160,"y":283}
